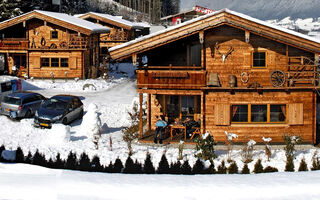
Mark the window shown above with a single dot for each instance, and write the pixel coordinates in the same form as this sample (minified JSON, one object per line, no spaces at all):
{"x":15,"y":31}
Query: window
{"x":54,"y":62}
{"x":54,"y":34}
{"x":259,"y":59}
{"x":265,"y":113}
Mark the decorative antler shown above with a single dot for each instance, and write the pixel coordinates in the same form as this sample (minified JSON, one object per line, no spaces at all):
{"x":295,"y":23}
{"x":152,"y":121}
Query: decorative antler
{"x":223,"y":56}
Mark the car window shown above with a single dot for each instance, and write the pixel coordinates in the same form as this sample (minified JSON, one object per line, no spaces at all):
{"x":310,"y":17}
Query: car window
{"x":6,"y":87}
{"x":11,"y":100}
{"x":55,"y":104}
{"x":76,"y":103}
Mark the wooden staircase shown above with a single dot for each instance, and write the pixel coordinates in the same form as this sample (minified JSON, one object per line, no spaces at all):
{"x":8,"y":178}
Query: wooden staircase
{"x":302,"y":71}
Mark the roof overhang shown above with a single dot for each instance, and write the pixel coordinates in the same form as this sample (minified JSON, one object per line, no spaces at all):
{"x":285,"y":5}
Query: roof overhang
{"x":222,"y":17}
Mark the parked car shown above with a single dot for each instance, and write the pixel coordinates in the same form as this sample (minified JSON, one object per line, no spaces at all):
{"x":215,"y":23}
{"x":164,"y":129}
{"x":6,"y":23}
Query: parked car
{"x":21,"y":104}
{"x":59,"y":109}
{"x":5,"y":89}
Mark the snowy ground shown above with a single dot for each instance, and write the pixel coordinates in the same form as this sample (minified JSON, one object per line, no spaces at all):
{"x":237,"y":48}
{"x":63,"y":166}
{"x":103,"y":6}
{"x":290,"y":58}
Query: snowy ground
{"x":114,"y":98}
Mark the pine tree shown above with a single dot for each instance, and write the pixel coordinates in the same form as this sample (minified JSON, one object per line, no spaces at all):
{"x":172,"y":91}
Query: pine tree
{"x":19,"y":155}
{"x":95,"y":164}
{"x":9,"y":9}
{"x":137,"y":167}
{"x":186,"y":168}
{"x":222,"y":168}
{"x":303,"y":166}
{"x":211,"y":169}
{"x":50,"y":163}
{"x":198,"y":167}
{"x":84,"y":162}
{"x":233,"y":168}
{"x":289,"y":164}
{"x":245,"y":169}
{"x":59,"y":164}
{"x":163,"y":165}
{"x":108,"y":168}
{"x":39,"y":159}
{"x":2,"y":148}
{"x":118,"y":166}
{"x":71,"y":162}
{"x":29,"y":158}
{"x":129,"y":166}
{"x":258,"y":168}
{"x":175,"y":168}
{"x":148,"y":165}
{"x":205,"y":147}
{"x":270,"y":169}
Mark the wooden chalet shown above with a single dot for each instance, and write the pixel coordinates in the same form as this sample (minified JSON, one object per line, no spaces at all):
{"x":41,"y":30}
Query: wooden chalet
{"x":232,"y":72}
{"x":46,"y":44}
{"x":121,"y":30}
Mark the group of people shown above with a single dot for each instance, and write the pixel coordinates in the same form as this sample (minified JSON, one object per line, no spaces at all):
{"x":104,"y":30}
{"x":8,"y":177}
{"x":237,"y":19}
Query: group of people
{"x":161,"y":124}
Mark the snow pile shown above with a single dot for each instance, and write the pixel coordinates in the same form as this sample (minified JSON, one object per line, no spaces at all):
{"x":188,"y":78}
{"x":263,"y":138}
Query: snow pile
{"x":91,"y":123}
{"x":230,"y":136}
{"x":58,"y":134}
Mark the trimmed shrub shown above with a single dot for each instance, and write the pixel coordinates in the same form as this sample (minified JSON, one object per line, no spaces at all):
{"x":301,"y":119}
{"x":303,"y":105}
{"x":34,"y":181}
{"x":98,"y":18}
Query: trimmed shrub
{"x":19,"y":155}
{"x":59,"y":163}
{"x":205,"y":147}
{"x":315,"y":163}
{"x":163,"y":165}
{"x":258,"y":168}
{"x":29,"y":158}
{"x":129,"y":166}
{"x":270,"y":169}
{"x":109,"y":168}
{"x":210,"y":169}
{"x":233,"y":168}
{"x":117,"y":166}
{"x":175,"y":168}
{"x":303,"y":166}
{"x":39,"y":159}
{"x":137,"y":167}
{"x":95,"y":164}
{"x":245,"y":169}
{"x":198,"y":167}
{"x":186,"y":168}
{"x":50,"y":163}
{"x":71,"y":162}
{"x":222,"y":169}
{"x":84,"y":162}
{"x":289,"y":164}
{"x":148,"y":167}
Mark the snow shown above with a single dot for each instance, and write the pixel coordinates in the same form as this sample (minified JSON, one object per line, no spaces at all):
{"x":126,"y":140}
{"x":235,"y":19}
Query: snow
{"x":210,"y":15}
{"x":69,"y":19}
{"x":266,"y":139}
{"x":58,"y":134}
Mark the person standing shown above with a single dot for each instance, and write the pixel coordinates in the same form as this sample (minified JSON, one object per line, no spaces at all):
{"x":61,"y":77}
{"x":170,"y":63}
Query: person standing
{"x":160,"y":125}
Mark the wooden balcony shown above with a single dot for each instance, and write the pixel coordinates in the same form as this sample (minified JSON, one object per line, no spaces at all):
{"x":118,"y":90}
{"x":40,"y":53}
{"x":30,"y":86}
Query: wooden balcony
{"x":115,"y":36}
{"x":171,"y":79}
{"x":74,"y":42}
{"x":14,"y":44}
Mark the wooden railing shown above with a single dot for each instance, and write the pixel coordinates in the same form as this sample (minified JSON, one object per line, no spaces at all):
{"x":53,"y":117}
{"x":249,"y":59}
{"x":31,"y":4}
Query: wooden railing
{"x":14,"y":44}
{"x":171,"y":79}
{"x":115,"y":35}
{"x":74,"y":42}
{"x":303,"y":75}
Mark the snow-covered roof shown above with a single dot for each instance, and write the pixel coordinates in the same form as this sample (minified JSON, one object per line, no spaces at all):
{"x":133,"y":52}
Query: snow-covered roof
{"x":117,"y":19}
{"x":210,"y":15}
{"x":96,"y":28}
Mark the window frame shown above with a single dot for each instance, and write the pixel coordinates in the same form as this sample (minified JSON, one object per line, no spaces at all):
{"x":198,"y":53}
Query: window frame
{"x":268,"y":114}
{"x":53,"y":38}
{"x":50,"y":62}
{"x":266,"y":59}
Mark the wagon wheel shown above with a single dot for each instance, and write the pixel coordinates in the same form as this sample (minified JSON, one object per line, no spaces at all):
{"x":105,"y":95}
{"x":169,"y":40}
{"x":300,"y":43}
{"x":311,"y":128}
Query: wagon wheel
{"x":277,"y":78}
{"x":63,"y":45}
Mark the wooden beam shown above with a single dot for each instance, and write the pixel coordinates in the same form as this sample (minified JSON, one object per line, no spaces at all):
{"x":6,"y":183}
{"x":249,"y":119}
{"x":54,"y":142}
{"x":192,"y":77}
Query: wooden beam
{"x":247,"y":36}
{"x":201,"y":36}
{"x":134,"y":59}
{"x":45,"y":23}
{"x":316,"y":57}
{"x":24,"y":24}
{"x":140,"y":115}
{"x":149,"y":111}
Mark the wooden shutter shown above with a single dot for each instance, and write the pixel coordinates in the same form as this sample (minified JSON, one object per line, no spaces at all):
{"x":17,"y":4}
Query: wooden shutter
{"x":36,"y":62}
{"x":247,"y":59}
{"x":222,"y":114}
{"x":295,"y":114}
{"x":73,"y":63}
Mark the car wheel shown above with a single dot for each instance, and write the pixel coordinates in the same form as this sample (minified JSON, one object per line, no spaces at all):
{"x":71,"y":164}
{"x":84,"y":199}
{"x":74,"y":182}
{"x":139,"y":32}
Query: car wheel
{"x":81,"y":115}
{"x":28,"y":114}
{"x":65,"y":121}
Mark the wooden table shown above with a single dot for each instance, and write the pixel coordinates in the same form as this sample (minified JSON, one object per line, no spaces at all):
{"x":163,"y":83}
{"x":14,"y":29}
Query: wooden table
{"x":179,"y":127}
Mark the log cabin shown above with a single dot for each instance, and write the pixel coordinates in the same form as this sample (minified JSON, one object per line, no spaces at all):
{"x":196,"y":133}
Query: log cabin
{"x":44,"y":44}
{"x":232,"y":73}
{"x":121,"y":30}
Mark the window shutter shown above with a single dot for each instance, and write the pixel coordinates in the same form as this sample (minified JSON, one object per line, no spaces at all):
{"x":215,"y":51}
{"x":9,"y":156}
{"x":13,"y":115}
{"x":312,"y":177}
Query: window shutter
{"x":222,"y":114}
{"x":73,"y":62}
{"x":295,"y":114}
{"x":36,"y":63}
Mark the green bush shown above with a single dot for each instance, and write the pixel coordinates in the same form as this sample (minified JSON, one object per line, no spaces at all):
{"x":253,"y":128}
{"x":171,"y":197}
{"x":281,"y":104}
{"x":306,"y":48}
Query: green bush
{"x":163,"y":165}
{"x":270,"y":169}
{"x":148,"y":167}
{"x":222,"y":168}
{"x":245,"y":169}
{"x":205,"y":147}
{"x":258,"y":168}
{"x":289,"y":164}
{"x":303,"y":166}
{"x":198,"y":167}
{"x":233,"y":168}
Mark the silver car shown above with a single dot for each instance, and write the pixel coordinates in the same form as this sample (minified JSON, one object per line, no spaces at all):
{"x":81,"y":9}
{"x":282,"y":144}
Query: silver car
{"x":21,"y":104}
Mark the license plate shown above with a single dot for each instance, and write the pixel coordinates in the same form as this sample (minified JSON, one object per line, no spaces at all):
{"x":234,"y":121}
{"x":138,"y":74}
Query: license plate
{"x":44,"y":124}
{"x":7,"y":109}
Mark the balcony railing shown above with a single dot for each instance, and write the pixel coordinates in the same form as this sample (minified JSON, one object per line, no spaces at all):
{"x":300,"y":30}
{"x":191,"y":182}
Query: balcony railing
{"x":14,"y":44}
{"x":114,"y":35}
{"x":171,"y":79}
{"x":74,"y":42}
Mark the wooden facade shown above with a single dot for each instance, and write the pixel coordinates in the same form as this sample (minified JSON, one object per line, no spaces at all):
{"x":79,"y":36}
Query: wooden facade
{"x":232,"y":73}
{"x":45,"y":44}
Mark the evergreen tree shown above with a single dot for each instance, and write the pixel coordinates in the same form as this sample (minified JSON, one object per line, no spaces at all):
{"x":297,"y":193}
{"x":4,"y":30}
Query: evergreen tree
{"x":50,"y":163}
{"x":148,"y":165}
{"x":245,"y":169}
{"x":29,"y":158}
{"x":210,"y":169}
{"x":289,"y":164}
{"x":19,"y":155}
{"x":258,"y":168}
{"x":205,"y":147}
{"x":222,"y":169}
{"x":198,"y":167}
{"x":84,"y":162}
{"x":137,"y":167}
{"x":270,"y":169}
{"x":233,"y":168}
{"x":9,"y":9}
{"x":163,"y":165}
{"x":118,"y":166}
{"x":71,"y":162}
{"x":39,"y":159}
{"x":95,"y":164}
{"x":2,"y":148}
{"x":186,"y":168}
{"x":129,"y":166}
{"x":59,"y":164}
{"x":175,"y":168}
{"x":303,"y":166}
{"x":315,"y":164}
{"x":108,"y":168}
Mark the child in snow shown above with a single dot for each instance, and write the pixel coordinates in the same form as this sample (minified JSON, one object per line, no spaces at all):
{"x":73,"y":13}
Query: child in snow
{"x":160,"y":125}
